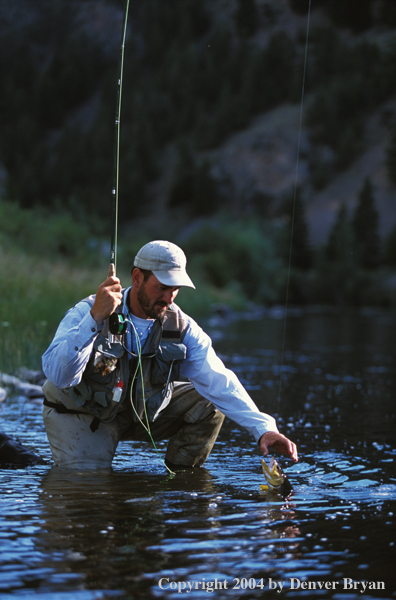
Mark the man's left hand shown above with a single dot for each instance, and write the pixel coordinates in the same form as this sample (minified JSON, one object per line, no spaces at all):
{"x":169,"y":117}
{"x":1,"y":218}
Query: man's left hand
{"x":278,"y":442}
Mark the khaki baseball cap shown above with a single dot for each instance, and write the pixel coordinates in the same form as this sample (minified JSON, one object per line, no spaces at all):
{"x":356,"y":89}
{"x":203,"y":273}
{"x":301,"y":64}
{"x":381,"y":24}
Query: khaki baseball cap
{"x":167,"y":262}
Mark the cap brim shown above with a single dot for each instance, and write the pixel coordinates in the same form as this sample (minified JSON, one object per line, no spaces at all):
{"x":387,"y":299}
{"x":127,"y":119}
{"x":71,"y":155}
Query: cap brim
{"x":174,"y":279}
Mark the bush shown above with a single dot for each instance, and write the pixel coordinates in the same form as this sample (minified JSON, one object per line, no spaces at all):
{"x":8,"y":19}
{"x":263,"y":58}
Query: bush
{"x":239,"y":252}
{"x":44,"y":234}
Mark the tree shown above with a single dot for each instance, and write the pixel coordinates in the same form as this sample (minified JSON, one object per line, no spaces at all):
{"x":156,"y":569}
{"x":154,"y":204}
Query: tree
{"x":301,"y":251}
{"x":390,"y":248}
{"x":193,"y":187}
{"x":391,"y":156}
{"x":350,"y":14}
{"x":246,"y":17}
{"x":365,"y":227}
{"x":339,"y":248}
{"x":336,"y":267}
{"x":388,"y":13}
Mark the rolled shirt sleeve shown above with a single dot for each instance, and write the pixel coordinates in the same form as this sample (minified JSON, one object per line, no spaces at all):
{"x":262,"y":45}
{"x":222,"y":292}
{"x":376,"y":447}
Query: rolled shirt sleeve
{"x":220,"y":385}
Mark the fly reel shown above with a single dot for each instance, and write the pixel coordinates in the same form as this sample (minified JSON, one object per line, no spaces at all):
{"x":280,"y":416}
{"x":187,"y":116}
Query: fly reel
{"x":117,"y":324}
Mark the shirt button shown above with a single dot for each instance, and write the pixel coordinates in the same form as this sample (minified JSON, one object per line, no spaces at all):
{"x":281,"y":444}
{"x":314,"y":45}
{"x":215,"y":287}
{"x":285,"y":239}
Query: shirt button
{"x":76,"y":348}
{"x":93,"y":330}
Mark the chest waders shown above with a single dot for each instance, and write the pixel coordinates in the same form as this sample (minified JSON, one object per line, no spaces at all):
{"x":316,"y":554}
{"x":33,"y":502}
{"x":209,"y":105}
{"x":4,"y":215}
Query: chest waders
{"x":150,"y":376}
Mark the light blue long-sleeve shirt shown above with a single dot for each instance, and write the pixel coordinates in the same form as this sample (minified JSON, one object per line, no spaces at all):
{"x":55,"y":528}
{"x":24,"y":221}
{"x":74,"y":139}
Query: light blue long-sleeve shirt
{"x":67,"y":356}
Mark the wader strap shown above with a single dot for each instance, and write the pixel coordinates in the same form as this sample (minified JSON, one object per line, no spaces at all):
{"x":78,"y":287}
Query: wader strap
{"x":60,"y":408}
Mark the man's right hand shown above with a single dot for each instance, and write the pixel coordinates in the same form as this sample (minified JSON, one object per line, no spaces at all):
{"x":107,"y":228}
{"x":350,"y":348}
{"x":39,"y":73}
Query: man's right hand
{"x":278,"y":442}
{"x":108,"y":297}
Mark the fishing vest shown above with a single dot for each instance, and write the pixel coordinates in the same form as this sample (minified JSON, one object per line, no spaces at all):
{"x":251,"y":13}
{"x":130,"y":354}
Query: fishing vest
{"x":151,"y":381}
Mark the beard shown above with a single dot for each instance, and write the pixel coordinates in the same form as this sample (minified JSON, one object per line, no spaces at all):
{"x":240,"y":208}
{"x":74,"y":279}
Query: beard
{"x":152,"y":308}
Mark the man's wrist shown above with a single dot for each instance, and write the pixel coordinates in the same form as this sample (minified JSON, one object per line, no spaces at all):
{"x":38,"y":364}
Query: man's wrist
{"x":263,"y":434}
{"x":97,"y":323}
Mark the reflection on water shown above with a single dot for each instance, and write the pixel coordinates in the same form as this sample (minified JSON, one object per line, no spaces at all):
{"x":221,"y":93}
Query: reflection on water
{"x":138,"y":532}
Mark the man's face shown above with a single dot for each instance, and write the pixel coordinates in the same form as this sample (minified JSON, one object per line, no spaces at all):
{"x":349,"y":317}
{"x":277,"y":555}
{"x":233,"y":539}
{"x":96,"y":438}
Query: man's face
{"x":154,"y":297}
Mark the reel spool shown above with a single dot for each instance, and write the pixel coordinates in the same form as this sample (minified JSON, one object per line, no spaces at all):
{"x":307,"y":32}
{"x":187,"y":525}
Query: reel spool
{"x":117,"y":324}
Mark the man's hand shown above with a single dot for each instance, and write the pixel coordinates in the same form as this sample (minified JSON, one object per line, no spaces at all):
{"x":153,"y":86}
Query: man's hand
{"x":278,"y":442}
{"x":108,"y":297}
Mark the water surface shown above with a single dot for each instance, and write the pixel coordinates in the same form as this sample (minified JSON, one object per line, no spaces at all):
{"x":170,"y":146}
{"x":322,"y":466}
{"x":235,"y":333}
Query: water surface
{"x":140,"y":533}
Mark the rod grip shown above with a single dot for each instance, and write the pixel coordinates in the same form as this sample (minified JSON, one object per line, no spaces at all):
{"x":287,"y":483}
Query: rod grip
{"x":111,"y":270}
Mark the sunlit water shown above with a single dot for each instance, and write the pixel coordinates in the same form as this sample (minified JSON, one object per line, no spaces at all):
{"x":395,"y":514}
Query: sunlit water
{"x":141,"y":533}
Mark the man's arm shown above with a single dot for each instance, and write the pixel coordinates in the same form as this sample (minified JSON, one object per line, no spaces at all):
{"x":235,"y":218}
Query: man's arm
{"x":222,"y":387}
{"x":69,"y":352}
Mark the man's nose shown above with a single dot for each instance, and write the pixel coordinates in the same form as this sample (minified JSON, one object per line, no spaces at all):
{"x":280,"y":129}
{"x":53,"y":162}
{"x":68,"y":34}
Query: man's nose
{"x":167,"y":296}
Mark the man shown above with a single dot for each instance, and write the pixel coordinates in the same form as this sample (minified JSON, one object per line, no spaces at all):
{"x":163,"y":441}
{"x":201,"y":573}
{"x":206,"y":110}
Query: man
{"x":158,"y":379}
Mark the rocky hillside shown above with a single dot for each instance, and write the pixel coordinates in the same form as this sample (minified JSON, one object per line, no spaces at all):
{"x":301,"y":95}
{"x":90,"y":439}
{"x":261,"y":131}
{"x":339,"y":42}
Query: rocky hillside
{"x":211,"y":107}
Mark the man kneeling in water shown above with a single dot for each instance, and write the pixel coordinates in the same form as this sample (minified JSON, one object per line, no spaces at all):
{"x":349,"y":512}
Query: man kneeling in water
{"x":160,"y":377}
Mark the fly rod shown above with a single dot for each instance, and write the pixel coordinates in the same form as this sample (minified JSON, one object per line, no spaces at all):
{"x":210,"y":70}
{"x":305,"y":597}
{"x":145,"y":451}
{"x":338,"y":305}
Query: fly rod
{"x":116,"y":168}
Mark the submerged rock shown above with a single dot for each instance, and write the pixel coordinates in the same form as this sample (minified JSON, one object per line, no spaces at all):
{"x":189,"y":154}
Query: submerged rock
{"x":13,"y":453}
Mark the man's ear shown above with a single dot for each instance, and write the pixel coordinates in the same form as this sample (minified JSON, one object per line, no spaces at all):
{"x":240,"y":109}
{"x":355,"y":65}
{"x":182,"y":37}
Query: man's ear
{"x":137,"y":277}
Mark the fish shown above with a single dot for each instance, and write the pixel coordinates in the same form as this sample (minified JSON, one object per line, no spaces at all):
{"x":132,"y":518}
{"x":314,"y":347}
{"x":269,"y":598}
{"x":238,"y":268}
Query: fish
{"x":277,"y":481}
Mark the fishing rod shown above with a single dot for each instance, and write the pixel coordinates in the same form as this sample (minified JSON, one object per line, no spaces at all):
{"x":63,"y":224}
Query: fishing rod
{"x":116,"y":168}
{"x":117,"y":323}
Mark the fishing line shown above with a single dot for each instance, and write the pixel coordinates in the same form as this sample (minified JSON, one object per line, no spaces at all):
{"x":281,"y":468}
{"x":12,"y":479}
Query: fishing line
{"x":294,"y":207}
{"x":139,"y":367}
{"x":116,"y":169}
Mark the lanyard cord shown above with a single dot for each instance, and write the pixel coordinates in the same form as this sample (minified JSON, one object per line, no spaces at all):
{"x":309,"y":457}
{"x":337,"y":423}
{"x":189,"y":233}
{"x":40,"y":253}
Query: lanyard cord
{"x":116,"y":169}
{"x":294,"y":207}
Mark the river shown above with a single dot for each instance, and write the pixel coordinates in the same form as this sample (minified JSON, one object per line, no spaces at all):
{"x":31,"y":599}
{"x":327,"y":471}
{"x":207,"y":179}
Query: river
{"x":140,"y":533}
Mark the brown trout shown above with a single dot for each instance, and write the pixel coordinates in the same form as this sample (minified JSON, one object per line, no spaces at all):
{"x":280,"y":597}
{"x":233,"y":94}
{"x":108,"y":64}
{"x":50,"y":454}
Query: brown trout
{"x":277,"y":481}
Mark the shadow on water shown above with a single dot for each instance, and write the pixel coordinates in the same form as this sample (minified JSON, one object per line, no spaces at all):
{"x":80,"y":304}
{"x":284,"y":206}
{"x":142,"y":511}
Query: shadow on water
{"x":138,"y":532}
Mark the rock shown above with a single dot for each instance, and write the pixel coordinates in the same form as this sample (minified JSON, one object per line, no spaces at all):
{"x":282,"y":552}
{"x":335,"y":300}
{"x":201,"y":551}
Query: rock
{"x":9,"y":380}
{"x":36,"y":377}
{"x":221,"y":310}
{"x":24,"y":388}
{"x":29,"y":390}
{"x":12,"y":452}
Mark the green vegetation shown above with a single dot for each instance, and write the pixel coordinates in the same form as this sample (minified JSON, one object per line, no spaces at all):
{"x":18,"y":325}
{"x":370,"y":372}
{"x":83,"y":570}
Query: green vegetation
{"x":47,"y":263}
{"x":36,"y":293}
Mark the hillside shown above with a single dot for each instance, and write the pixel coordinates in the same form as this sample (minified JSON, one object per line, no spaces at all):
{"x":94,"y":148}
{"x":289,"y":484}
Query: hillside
{"x":211,"y":108}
